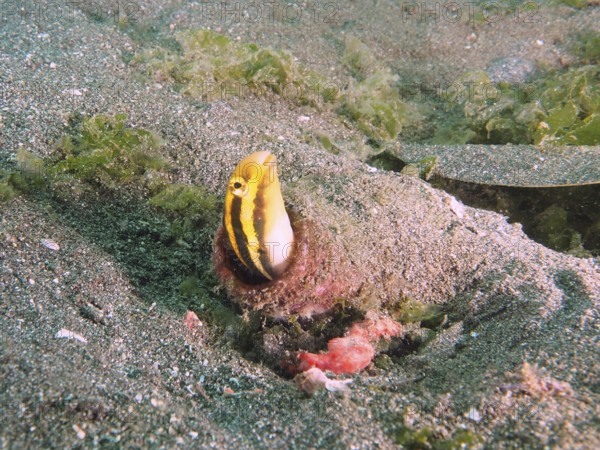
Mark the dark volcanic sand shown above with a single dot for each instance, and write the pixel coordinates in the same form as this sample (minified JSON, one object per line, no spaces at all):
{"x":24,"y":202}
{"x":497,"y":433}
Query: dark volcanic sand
{"x":140,"y":379}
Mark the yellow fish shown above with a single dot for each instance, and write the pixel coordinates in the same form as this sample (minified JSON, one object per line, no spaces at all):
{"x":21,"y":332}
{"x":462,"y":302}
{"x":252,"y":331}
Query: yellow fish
{"x":256,"y":222}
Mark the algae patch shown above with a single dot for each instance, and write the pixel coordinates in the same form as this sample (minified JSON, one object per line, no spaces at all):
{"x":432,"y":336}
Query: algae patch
{"x":7,"y":187}
{"x":572,"y":103}
{"x":212,"y":67}
{"x":562,"y":108}
{"x":375,"y":107}
{"x":425,"y":438}
{"x":108,"y":181}
{"x":429,"y":315}
{"x":372,"y":102}
{"x":558,"y":108}
{"x":30,"y":175}
{"x":587,"y":47}
{"x":358,"y":59}
{"x":491,"y":113}
{"x":107,"y":152}
{"x":191,"y":208}
{"x":184,"y":198}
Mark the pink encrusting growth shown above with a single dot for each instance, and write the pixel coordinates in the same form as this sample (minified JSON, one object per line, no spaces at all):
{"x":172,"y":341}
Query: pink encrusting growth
{"x":353,"y":352}
{"x":191,"y":320}
{"x":309,"y":287}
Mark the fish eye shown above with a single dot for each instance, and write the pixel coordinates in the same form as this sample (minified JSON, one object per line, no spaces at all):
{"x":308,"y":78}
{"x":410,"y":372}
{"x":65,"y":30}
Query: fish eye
{"x":238,"y":187}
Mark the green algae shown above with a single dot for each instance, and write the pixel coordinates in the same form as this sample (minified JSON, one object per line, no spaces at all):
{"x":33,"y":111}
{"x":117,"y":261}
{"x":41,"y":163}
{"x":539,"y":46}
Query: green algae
{"x":185,"y":198}
{"x":103,"y":152}
{"x":211,"y":66}
{"x":587,"y":47}
{"x":327,"y":143}
{"x":492,"y":113}
{"x":453,"y":132}
{"x":572,"y":103}
{"x":30,"y":175}
{"x":358,"y":59}
{"x":7,"y":188}
{"x":424,"y":438}
{"x":577,"y":4}
{"x":375,"y":107}
{"x":322,"y":139}
{"x":561,"y":109}
{"x":372,"y":102}
{"x":191,"y":209}
{"x":383,"y":362}
{"x":424,"y":168}
{"x":485,"y":13}
{"x":31,"y":167}
{"x":412,"y":311}
{"x":107,"y":152}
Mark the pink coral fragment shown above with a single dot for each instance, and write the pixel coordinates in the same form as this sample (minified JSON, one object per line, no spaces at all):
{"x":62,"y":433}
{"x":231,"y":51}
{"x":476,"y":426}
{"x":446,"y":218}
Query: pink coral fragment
{"x":353,"y":352}
{"x":191,"y":320}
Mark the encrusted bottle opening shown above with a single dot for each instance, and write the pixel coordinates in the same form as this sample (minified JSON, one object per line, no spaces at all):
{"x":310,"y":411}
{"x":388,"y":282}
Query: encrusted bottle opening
{"x":309,"y":286}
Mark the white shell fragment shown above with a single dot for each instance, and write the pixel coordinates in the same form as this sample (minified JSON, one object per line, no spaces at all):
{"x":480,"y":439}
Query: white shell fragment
{"x":64,"y":333}
{"x":473,"y":415}
{"x":457,"y":208}
{"x":49,"y":243}
{"x":314,"y":379}
{"x":79,"y":431}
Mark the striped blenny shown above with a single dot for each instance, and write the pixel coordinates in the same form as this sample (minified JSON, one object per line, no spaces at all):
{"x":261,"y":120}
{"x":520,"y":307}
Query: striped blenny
{"x":255,"y":219}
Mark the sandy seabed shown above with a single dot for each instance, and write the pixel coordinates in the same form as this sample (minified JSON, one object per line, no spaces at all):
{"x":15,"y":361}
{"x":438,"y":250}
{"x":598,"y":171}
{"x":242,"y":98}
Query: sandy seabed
{"x":94,"y":351}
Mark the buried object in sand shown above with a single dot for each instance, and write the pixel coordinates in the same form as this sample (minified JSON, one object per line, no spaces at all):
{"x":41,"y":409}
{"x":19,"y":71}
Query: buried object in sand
{"x":281,"y":264}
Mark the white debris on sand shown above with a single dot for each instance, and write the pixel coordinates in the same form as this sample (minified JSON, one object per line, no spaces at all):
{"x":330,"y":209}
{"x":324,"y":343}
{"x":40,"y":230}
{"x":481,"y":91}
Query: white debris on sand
{"x":49,"y":243}
{"x":64,"y":333}
{"x":314,"y":379}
